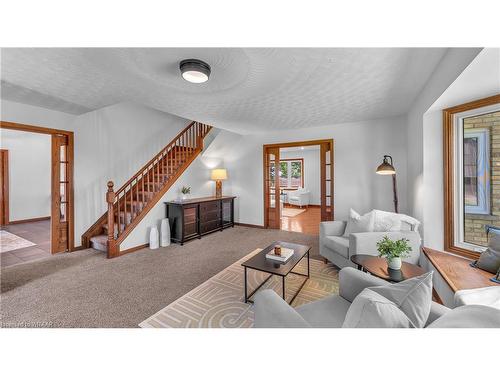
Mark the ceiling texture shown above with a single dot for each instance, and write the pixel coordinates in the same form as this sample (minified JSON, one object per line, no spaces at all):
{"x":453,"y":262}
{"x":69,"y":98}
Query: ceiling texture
{"x":250,"y":90}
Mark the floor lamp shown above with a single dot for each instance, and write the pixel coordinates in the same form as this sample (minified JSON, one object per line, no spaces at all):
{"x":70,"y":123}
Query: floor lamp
{"x":387,"y":167}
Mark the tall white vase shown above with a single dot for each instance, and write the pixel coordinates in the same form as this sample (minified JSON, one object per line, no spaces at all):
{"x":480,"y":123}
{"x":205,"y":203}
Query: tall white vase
{"x":165,"y":233}
{"x":154,"y":238}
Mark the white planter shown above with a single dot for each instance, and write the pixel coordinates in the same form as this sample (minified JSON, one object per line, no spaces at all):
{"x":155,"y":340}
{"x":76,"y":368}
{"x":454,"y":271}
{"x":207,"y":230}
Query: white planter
{"x":185,"y":196}
{"x":154,"y":238}
{"x":165,"y":233}
{"x":394,"y":263}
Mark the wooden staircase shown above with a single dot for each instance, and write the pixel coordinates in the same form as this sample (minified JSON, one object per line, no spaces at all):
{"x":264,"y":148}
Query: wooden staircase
{"x":128,"y":205}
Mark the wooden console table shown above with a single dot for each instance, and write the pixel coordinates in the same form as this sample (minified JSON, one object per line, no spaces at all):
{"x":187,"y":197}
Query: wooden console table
{"x":194,"y":218}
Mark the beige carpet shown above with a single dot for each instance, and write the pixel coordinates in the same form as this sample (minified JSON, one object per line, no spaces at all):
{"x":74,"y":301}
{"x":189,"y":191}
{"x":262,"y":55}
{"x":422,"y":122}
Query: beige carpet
{"x":9,"y":242}
{"x":84,"y":289}
{"x":291,"y":212}
{"x":219,"y":302}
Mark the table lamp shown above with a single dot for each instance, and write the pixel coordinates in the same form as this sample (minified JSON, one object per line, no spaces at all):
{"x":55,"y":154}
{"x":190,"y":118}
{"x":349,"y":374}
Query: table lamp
{"x":218,"y":175}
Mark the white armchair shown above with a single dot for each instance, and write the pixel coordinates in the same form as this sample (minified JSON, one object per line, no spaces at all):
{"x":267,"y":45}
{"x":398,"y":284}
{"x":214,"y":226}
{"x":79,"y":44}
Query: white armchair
{"x":299,"y":197}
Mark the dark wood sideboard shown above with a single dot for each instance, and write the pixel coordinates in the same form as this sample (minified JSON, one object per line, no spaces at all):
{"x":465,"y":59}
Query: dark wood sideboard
{"x":194,"y":218}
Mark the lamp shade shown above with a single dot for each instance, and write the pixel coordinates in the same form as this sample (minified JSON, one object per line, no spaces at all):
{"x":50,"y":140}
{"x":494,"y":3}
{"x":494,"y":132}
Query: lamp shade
{"x":219,"y":174}
{"x":386,"y":167}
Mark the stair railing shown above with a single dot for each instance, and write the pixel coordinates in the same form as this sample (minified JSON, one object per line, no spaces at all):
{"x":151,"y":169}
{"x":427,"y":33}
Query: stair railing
{"x":128,"y":201}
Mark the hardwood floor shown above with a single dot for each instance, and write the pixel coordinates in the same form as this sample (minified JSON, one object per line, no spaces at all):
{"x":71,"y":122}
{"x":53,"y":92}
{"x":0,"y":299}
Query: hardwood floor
{"x":306,"y":222}
{"x":37,"y":232}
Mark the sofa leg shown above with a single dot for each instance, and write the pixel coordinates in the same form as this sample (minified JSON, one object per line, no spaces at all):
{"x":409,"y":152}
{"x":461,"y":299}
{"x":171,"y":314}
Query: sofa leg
{"x":325,"y":260}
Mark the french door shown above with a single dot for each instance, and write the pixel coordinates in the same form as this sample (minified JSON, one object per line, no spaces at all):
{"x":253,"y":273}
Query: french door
{"x":272,"y":201}
{"x":61,"y":193}
{"x":326,"y":176}
{"x":272,"y":208}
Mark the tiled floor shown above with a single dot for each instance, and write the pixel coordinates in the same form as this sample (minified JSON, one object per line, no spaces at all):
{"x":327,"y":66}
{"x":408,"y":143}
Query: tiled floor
{"x":37,"y":232}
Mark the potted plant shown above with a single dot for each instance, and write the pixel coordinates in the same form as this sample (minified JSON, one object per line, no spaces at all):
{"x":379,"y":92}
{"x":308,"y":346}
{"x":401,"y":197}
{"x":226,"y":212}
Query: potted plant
{"x":186,"y":190}
{"x":393,"y":251}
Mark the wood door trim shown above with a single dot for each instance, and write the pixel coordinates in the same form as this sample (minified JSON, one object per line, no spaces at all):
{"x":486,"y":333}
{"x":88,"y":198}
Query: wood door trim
{"x":318,"y":142}
{"x":449,"y":172}
{"x":70,"y":168}
{"x":4,"y":220}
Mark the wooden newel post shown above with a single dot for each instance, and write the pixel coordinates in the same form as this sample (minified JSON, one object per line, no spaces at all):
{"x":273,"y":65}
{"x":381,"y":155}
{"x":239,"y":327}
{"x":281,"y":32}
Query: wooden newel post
{"x":110,"y":198}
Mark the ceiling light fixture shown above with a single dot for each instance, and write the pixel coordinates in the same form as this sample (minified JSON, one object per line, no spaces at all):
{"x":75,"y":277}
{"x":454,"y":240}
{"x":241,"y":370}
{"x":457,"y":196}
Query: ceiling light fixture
{"x":194,"y":71}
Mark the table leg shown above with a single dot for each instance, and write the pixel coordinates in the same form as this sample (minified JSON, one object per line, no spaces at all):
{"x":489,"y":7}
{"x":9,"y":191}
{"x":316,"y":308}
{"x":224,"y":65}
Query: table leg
{"x":283,"y":285}
{"x":359,"y":267}
{"x":246,"y":298}
{"x":308,"y":272}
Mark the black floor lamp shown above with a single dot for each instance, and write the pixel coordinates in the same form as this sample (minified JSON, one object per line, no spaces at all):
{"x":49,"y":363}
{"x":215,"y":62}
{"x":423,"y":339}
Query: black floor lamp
{"x":387,"y":167}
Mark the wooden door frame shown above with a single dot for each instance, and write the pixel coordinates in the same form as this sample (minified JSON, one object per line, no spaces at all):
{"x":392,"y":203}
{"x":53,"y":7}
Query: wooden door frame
{"x":449,"y":172}
{"x":4,"y":220}
{"x":316,"y":142}
{"x":70,"y":151}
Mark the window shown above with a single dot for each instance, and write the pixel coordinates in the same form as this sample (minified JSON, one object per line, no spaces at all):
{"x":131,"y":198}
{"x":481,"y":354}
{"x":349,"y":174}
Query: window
{"x":472,"y":169}
{"x":476,"y":162}
{"x":291,"y":173}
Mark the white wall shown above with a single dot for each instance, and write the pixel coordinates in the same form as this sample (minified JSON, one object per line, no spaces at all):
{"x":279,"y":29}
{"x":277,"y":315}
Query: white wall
{"x":196,"y":176}
{"x":311,"y":170}
{"x":29,"y":173}
{"x":359,"y":148}
{"x":111,"y":143}
{"x":479,"y":80}
{"x":449,"y":68}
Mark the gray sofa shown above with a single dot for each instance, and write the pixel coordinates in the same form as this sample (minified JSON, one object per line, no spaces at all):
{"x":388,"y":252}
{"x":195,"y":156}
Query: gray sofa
{"x":271,"y":311}
{"x":338,"y":249}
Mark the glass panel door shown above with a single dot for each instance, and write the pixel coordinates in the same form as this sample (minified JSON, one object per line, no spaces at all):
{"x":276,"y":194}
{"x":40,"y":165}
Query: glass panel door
{"x":272,"y":205}
{"x":326,"y":163}
{"x":60,"y":200}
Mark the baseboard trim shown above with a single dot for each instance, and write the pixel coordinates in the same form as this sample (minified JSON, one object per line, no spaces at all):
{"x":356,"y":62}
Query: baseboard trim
{"x":249,"y":225}
{"x":81,"y":247}
{"x":132,"y":249}
{"x":29,"y":220}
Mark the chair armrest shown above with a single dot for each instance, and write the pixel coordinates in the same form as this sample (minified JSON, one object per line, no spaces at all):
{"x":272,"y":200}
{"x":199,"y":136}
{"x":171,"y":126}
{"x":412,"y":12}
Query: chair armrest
{"x":331,"y":228}
{"x":271,"y":311}
{"x":352,"y":282}
{"x":437,"y":311}
{"x":366,"y":243}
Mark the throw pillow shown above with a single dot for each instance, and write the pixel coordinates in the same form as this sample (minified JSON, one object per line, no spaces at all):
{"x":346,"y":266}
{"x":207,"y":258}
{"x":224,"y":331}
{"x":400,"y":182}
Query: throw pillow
{"x":358,"y":223}
{"x":372,"y":310}
{"x":489,"y":260}
{"x":386,"y":221}
{"x":412,"y":296}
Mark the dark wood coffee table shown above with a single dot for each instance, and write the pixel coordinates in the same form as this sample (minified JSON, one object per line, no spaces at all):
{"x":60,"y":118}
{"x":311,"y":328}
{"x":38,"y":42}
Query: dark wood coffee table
{"x":378,"y":267}
{"x":259,"y":262}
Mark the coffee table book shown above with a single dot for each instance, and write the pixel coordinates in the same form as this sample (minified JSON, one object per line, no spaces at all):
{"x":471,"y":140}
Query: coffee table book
{"x":286,"y":254}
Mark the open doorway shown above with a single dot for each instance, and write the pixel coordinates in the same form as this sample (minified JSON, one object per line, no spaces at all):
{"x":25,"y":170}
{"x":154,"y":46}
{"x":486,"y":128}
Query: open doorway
{"x":298,"y":185}
{"x":37,"y":192}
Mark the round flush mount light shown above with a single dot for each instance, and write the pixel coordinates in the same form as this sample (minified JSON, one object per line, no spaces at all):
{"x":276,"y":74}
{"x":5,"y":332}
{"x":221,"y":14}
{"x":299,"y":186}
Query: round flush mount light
{"x":195,"y":71}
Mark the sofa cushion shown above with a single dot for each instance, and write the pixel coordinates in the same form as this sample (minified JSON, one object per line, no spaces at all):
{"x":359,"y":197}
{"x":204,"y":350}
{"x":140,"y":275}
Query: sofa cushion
{"x":372,"y":310}
{"x":469,"y":316}
{"x":338,"y":244}
{"x":359,"y":224}
{"x":328,"y":312}
{"x":412,"y":296}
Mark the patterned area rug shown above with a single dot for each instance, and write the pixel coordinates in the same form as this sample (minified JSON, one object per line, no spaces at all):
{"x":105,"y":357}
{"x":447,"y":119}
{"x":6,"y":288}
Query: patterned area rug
{"x":9,"y":241}
{"x":219,"y":301}
{"x":291,"y":212}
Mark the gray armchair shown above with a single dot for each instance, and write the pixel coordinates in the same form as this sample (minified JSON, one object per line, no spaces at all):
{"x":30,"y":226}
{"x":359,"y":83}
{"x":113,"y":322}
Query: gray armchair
{"x":271,"y":311}
{"x":338,"y":249}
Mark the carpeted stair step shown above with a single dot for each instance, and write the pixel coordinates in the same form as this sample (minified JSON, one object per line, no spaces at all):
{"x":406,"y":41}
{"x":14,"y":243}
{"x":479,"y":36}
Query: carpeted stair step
{"x":99,"y":242}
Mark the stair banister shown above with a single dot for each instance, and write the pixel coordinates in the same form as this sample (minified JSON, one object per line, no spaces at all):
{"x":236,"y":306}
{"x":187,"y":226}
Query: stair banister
{"x":110,"y":198}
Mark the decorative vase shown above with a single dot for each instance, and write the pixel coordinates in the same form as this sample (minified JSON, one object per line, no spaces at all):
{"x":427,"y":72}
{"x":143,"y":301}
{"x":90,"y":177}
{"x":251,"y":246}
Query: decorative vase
{"x":165,"y":233}
{"x":394,"y":263}
{"x":184,"y":197}
{"x":154,"y":238}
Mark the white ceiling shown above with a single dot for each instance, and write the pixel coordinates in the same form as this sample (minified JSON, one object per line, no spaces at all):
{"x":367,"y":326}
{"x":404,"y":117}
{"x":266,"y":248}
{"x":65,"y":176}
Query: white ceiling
{"x":250,"y":89}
